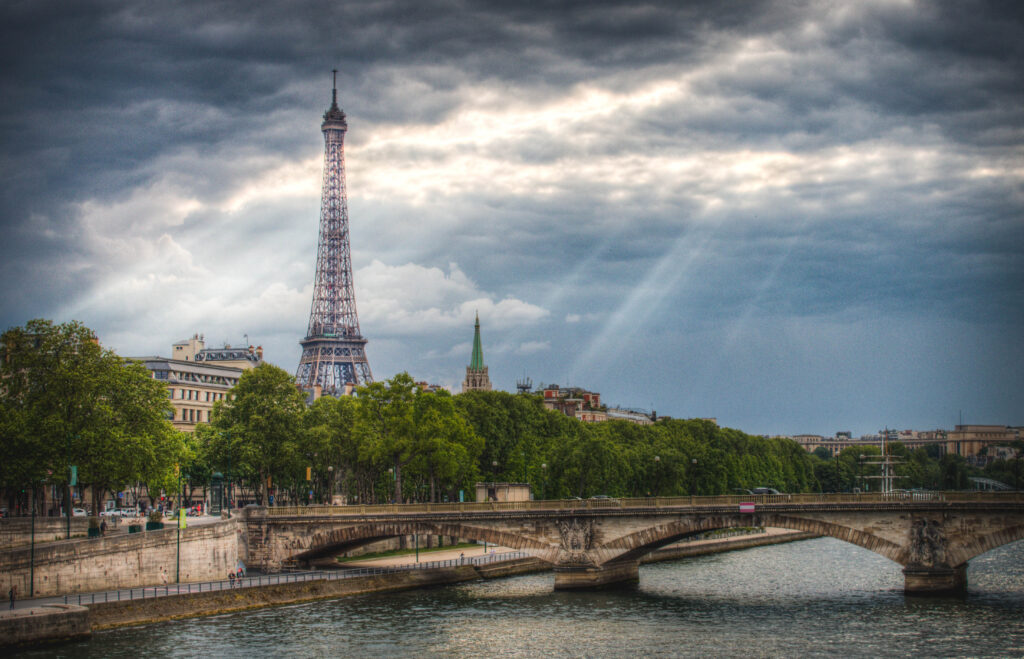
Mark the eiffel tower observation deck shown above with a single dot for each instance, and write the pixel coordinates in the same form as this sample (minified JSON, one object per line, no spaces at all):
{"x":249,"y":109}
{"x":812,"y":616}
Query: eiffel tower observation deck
{"x":334,"y":350}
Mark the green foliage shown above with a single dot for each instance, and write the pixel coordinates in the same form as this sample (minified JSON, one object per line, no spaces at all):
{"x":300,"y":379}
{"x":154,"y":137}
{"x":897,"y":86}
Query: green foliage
{"x":256,"y":432}
{"x":66,"y":401}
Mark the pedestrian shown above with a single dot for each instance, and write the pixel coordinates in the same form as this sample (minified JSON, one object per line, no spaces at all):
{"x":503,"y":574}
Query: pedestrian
{"x":103,"y":527}
{"x":239,"y":575}
{"x":231,"y":579}
{"x":12,"y":593}
{"x":462,"y":558}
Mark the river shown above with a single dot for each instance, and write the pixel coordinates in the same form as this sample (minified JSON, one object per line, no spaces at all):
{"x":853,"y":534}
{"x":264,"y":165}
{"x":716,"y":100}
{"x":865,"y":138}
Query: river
{"x":819,"y":597}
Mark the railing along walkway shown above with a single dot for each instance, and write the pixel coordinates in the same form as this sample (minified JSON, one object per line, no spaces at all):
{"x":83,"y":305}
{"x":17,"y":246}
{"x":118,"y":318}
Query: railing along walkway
{"x":649,"y":502}
{"x":258,"y":580}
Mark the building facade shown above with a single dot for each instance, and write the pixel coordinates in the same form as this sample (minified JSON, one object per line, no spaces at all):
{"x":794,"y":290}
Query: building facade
{"x":967,"y":441}
{"x":575,"y":402}
{"x":193,"y":387}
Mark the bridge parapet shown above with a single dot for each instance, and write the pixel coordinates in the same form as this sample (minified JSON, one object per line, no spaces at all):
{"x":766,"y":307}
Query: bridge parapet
{"x":627,"y":503}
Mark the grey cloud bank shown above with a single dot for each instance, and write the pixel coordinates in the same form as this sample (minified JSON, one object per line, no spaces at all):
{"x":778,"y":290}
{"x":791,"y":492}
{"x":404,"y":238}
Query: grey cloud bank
{"x":796,"y":217}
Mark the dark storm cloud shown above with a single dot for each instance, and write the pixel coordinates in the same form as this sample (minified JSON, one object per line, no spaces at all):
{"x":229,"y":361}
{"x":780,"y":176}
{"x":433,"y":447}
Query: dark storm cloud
{"x":830,"y":160}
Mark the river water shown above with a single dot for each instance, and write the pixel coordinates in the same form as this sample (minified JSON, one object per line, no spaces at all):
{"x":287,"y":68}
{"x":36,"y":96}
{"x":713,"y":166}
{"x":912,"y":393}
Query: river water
{"x":819,"y":597}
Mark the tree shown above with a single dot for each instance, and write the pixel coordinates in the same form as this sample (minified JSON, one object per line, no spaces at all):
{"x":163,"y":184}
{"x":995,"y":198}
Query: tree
{"x":257,"y":429}
{"x":67,"y":401}
{"x":385,"y":425}
{"x":445,"y":445}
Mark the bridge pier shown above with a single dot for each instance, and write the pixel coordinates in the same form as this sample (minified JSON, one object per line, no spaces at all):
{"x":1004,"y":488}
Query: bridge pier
{"x":919,"y":580}
{"x":574,"y":577}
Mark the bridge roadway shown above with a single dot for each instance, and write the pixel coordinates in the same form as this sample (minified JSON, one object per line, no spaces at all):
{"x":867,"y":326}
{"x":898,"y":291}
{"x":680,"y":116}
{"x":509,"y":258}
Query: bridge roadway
{"x":593,"y":542}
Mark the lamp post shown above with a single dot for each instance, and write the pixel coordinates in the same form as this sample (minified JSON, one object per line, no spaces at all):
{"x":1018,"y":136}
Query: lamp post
{"x":227,"y":435}
{"x":544,"y":468}
{"x":694,"y":463}
{"x":32,"y":551}
{"x":657,"y":473}
{"x":330,"y":484}
{"x":181,"y":496}
{"x":67,"y":499}
{"x":391,"y":470}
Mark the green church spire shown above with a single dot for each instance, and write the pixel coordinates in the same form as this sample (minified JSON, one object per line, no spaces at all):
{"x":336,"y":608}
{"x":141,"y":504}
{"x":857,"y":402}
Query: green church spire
{"x":477,"y":362}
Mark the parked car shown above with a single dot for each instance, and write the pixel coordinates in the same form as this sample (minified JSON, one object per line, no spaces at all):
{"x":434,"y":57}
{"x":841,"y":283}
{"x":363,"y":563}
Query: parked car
{"x":79,"y":512}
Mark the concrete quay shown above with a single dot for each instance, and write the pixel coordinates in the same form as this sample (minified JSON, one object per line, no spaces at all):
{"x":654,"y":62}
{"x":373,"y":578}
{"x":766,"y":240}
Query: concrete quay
{"x":44,"y":624}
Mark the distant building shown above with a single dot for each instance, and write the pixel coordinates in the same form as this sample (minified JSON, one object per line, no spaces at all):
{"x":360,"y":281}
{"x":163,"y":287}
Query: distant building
{"x":575,"y":402}
{"x":193,"y":387}
{"x":430,"y":388}
{"x":195,"y":350}
{"x":503,"y":492}
{"x":965,"y":440}
{"x":197,"y":376}
{"x":476,"y":373}
{"x":633,"y":416}
{"x":969,"y":440}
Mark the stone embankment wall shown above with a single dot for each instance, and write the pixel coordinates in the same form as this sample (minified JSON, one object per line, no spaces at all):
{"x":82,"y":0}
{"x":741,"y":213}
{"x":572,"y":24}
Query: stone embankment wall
{"x":55,"y":622}
{"x":137,"y":559}
{"x":17,"y":531}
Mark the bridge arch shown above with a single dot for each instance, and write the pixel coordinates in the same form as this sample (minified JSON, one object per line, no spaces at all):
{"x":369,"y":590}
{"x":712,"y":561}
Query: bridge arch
{"x":961,"y":553}
{"x":635,"y":545}
{"x":335,"y":540}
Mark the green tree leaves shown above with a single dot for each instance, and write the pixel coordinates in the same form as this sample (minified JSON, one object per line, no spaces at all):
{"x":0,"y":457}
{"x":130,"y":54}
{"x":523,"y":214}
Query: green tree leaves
{"x":66,"y":401}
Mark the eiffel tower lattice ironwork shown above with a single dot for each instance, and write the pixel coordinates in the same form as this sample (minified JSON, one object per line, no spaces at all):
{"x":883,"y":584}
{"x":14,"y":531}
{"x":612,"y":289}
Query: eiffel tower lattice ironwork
{"x":334,"y":351}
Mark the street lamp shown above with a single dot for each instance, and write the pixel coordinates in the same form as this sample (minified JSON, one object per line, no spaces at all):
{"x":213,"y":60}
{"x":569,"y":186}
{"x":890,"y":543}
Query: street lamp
{"x":178,"y":517}
{"x":657,"y":463}
{"x":544,"y":467}
{"x":330,"y":483}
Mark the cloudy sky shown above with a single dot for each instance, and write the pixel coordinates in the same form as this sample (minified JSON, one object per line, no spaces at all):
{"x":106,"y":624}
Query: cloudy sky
{"x":792,"y":216}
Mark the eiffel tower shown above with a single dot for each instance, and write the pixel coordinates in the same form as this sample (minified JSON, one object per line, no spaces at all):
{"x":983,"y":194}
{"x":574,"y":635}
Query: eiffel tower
{"x":334,"y":351}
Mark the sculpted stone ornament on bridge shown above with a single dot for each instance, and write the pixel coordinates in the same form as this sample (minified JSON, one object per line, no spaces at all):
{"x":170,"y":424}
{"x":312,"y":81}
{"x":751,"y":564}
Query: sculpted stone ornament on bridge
{"x":577,"y":536}
{"x":927,"y":544}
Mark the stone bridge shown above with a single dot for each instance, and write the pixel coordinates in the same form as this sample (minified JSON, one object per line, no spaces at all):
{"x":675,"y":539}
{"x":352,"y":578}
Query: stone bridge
{"x":600,"y":541}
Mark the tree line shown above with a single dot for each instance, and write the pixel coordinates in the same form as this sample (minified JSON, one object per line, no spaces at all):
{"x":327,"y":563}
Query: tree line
{"x":66,"y":402}
{"x":393,"y":442}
